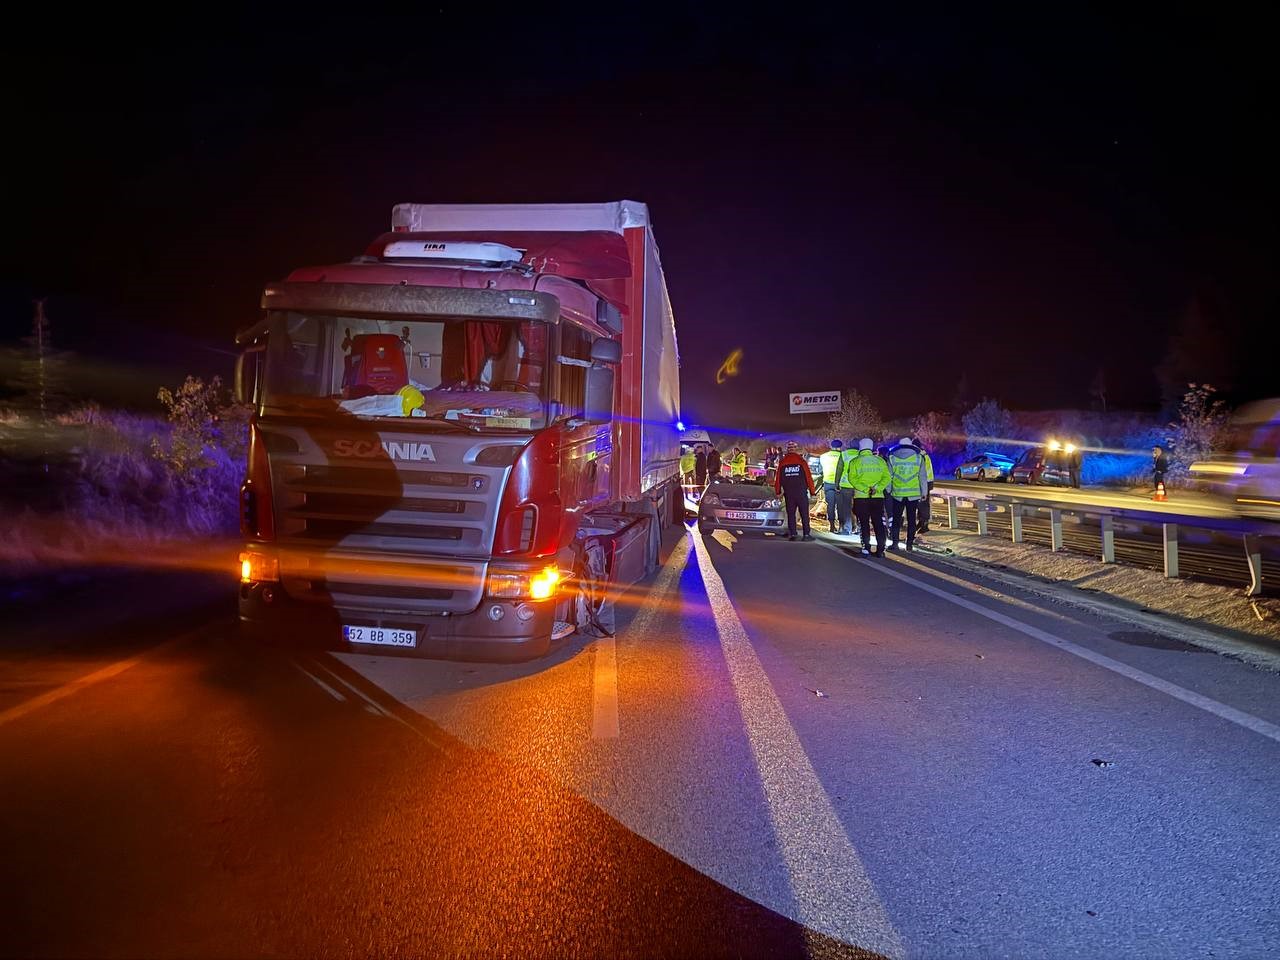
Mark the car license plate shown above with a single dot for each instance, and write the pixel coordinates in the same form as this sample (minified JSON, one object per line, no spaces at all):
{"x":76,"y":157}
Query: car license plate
{"x":740,"y":515}
{"x":382,"y":636}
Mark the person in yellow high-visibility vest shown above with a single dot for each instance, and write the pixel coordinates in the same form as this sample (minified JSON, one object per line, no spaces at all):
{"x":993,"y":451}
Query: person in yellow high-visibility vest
{"x":907,"y":487}
{"x":830,"y":461}
{"x":738,"y":463}
{"x":844,"y":492}
{"x":869,"y":478}
{"x":688,"y":460}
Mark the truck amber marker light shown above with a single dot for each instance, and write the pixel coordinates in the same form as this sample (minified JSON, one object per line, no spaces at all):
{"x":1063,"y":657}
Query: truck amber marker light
{"x":542,"y":585}
{"x":256,"y":567}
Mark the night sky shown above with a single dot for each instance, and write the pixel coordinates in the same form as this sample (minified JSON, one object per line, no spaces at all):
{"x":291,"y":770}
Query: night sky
{"x":852,"y":200}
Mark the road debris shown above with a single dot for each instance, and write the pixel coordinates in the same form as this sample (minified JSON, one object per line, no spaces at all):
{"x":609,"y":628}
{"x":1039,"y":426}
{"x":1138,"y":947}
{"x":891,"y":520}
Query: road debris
{"x":816,"y":692}
{"x":1257,"y":612}
{"x":1099,"y":762}
{"x":980,"y":656}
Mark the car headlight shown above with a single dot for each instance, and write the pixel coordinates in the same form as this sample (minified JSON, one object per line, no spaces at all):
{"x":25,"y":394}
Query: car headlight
{"x":711,"y":499}
{"x":773,"y":504}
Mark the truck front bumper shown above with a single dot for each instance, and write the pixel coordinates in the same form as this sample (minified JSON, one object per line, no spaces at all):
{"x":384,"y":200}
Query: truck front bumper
{"x":498,"y":630}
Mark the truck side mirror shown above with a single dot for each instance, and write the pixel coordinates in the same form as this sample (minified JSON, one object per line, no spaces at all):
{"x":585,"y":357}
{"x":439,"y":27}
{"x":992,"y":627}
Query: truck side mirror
{"x":248,"y":374}
{"x":599,"y":394}
{"x":606,"y":351}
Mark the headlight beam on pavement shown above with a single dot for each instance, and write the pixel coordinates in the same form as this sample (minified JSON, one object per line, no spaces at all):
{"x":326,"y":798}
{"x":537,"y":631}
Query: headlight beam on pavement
{"x":833,"y":893}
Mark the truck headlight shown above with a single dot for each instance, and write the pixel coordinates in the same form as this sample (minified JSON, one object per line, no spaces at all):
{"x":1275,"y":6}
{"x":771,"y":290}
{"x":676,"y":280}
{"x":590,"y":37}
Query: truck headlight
{"x":536,"y":585}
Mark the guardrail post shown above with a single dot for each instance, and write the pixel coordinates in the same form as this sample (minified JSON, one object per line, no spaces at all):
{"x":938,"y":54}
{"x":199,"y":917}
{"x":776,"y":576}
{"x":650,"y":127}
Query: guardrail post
{"x":1055,"y":530}
{"x":953,"y":519}
{"x":1108,"y":539}
{"x":982,"y":519}
{"x":1015,"y":520}
{"x":1253,"y":555}
{"x":1170,"y":550}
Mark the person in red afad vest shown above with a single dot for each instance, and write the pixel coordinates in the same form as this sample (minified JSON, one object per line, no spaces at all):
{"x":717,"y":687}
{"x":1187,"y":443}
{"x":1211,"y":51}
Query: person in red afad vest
{"x":795,"y":483}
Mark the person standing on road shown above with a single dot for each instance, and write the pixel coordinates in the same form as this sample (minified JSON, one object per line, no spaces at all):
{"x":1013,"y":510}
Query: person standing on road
{"x":926,"y":510}
{"x":713,"y":463}
{"x":830,"y":461}
{"x":907,"y":487}
{"x":844,"y":493}
{"x":688,"y":463}
{"x":868,"y":477}
{"x":700,"y":466}
{"x":883,"y":453}
{"x":738,"y":465}
{"x":1159,"y":466}
{"x":794,"y":481}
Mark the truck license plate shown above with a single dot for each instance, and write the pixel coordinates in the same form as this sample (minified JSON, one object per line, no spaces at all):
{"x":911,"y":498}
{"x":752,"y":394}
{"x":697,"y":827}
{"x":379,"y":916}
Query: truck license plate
{"x":740,"y":515}
{"x":382,"y":636}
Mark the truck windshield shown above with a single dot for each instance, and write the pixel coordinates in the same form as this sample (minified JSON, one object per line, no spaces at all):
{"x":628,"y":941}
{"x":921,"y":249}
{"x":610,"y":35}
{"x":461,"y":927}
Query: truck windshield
{"x":474,"y":373}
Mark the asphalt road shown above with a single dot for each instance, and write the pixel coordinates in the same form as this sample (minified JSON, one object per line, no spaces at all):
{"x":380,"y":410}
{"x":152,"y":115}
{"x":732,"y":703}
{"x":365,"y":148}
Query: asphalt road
{"x":786,"y":751}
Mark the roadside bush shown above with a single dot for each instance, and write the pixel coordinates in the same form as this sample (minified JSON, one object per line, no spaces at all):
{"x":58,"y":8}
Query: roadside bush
{"x":135,"y":476}
{"x":989,"y":428}
{"x":1198,"y":432}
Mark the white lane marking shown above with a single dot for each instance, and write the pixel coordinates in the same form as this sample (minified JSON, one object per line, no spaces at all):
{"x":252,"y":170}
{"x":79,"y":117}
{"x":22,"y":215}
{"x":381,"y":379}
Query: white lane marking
{"x":604,"y":687}
{"x":345,"y":685}
{"x":88,"y":680}
{"x":318,"y":682}
{"x":833,"y":891}
{"x":604,"y":690}
{"x":1209,"y":705}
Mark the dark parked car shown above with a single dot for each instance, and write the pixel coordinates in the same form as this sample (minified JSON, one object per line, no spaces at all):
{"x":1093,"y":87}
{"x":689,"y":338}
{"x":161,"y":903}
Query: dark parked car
{"x":985,"y":466}
{"x":1042,"y":465}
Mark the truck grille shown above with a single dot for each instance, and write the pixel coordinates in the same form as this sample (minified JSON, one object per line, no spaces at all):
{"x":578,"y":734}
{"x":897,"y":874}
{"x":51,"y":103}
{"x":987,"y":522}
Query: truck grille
{"x":386,"y":509}
{"x":383,"y":534}
{"x":325,"y":529}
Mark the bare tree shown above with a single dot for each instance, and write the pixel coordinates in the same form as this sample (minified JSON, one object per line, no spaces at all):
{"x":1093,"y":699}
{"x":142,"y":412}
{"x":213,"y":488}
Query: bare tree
{"x":1200,"y":349}
{"x":1098,"y":388}
{"x":856,"y":418}
{"x":933,"y":429}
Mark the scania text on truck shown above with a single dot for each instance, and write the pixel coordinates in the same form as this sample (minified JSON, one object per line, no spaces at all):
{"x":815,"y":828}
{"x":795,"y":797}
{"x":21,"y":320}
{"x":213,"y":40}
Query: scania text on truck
{"x":463,"y":437}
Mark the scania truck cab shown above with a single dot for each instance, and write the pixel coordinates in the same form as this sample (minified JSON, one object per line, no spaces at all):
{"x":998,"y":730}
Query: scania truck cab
{"x":462,"y":437}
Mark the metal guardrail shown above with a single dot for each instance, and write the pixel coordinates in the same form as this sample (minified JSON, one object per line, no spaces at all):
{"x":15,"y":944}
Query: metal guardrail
{"x":1108,"y":507}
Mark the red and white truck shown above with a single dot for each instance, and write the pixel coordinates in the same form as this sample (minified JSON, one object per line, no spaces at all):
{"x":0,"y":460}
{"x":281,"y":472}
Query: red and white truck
{"x":463,"y":437}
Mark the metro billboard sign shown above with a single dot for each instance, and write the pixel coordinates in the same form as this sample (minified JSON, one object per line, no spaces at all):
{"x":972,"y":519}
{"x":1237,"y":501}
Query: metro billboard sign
{"x":826,"y":401}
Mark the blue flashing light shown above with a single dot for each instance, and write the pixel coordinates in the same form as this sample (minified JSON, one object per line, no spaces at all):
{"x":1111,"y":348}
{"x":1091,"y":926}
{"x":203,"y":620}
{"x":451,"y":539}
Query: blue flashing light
{"x":680,"y":425}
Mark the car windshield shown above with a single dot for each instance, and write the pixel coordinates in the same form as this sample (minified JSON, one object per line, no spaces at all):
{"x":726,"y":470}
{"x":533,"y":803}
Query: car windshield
{"x":473,"y":373}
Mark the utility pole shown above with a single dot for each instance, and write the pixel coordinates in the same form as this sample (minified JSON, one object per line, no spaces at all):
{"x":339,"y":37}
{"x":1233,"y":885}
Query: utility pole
{"x":41,"y":325}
